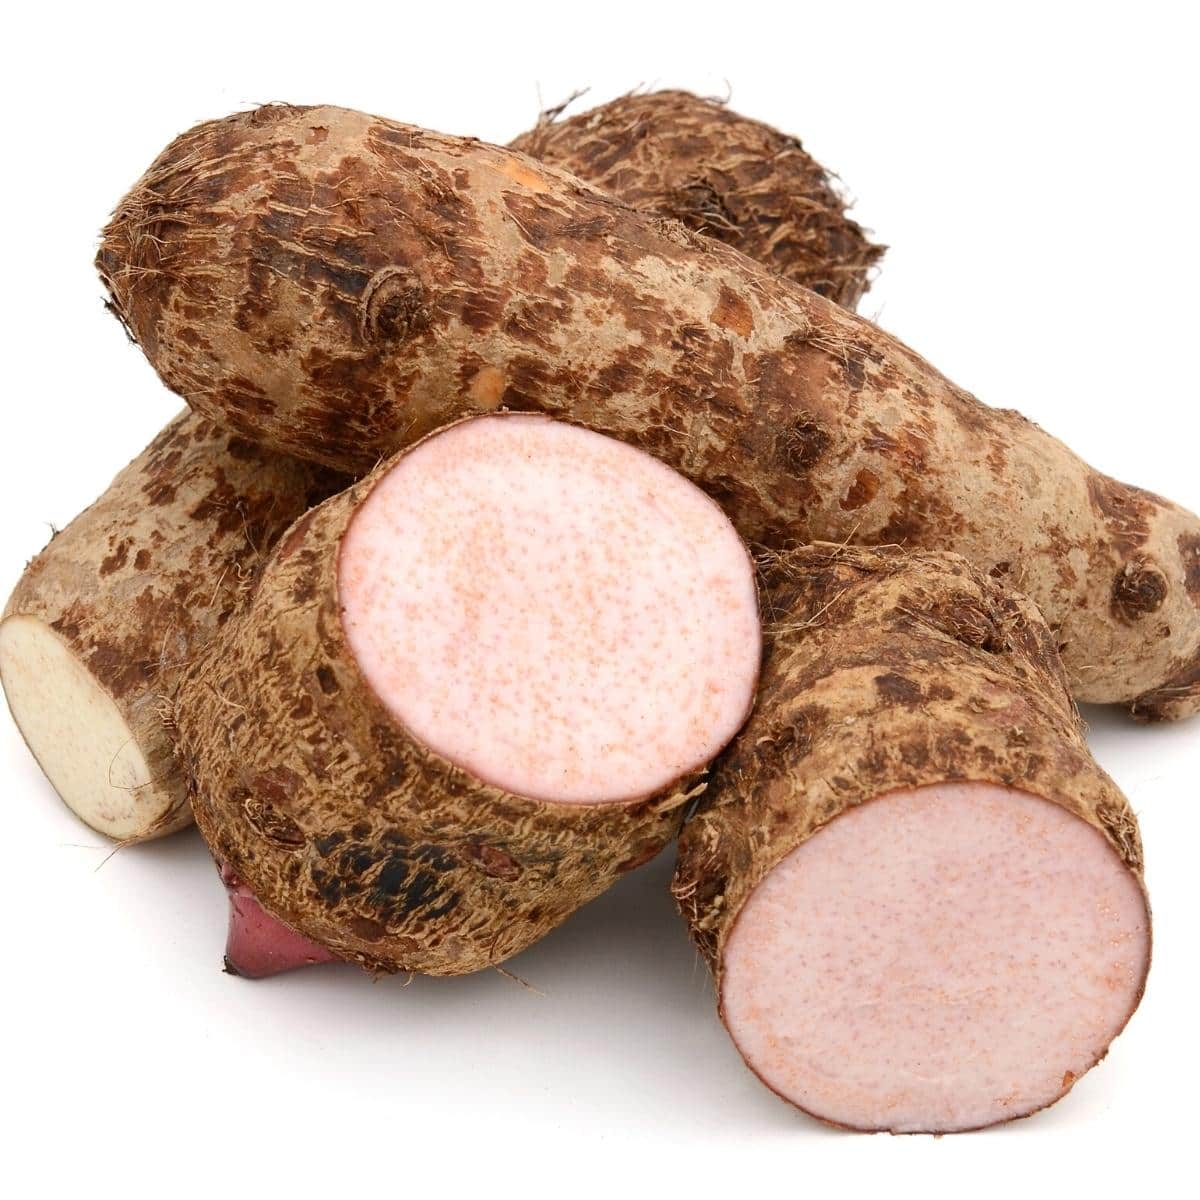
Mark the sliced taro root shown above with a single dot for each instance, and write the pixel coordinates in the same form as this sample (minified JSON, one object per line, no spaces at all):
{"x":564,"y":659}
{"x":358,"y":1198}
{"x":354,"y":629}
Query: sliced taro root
{"x":921,"y":898}
{"x":470,"y":692}
{"x":104,"y":620}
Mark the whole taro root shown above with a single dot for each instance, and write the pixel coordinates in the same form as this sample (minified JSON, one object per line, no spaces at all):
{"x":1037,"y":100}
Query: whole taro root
{"x":673,"y":154}
{"x":336,"y":285}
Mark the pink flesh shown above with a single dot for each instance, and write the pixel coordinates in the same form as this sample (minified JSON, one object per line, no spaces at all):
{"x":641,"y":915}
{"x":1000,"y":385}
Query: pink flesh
{"x":936,"y":960}
{"x":554,"y":611}
{"x":258,"y":944}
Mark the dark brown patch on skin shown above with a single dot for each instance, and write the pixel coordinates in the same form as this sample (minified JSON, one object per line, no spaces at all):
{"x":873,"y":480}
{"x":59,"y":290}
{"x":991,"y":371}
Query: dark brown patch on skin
{"x":266,"y":818}
{"x":862,"y":491}
{"x":1189,"y":552}
{"x":327,"y":679}
{"x":898,"y":689}
{"x":120,"y":674}
{"x":117,"y":559}
{"x":733,"y":313}
{"x":295,"y":538}
{"x":802,"y":445}
{"x":492,"y":861}
{"x":1126,"y":511}
{"x":141,"y":560}
{"x":1138,"y":590}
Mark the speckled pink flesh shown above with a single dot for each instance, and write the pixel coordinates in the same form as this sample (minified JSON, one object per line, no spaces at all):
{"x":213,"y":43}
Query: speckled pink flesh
{"x":553,"y":610}
{"x":936,"y":960}
{"x":258,"y":945}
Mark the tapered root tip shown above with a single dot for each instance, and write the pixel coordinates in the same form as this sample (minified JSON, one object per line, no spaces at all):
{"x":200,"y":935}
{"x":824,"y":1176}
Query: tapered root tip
{"x":259,"y":946}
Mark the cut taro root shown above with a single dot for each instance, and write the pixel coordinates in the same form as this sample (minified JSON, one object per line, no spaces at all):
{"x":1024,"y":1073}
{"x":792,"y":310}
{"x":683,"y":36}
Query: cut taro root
{"x":104,"y":620}
{"x":470,"y":692}
{"x":921,"y":898}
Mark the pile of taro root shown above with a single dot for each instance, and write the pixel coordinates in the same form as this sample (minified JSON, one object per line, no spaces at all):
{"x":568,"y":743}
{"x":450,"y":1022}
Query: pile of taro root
{"x":535,"y":506}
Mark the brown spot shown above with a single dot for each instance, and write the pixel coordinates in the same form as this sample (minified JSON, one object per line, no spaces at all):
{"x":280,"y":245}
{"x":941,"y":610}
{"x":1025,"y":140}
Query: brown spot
{"x":733,"y":313}
{"x":801,"y":445}
{"x":367,"y":929}
{"x":966,"y":621}
{"x":862,"y":491}
{"x":118,"y":672}
{"x":524,"y":174}
{"x":1189,"y":551}
{"x":117,"y":559}
{"x":242,"y":449}
{"x":277,"y":827}
{"x":1138,"y":590}
{"x":898,"y":689}
{"x":1126,"y":510}
{"x":328,"y":680}
{"x":487,"y":388}
{"x":492,"y":861}
{"x":393,"y":306}
{"x":142,"y":559}
{"x":1068,"y":1079}
{"x":295,"y":537}
{"x":277,"y":785}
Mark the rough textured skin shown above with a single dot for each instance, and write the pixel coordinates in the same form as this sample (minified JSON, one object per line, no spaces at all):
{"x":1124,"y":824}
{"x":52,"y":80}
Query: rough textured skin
{"x":677,"y":155}
{"x":884,"y":671}
{"x":348,"y":830}
{"x":337,"y":285}
{"x":143,"y":579}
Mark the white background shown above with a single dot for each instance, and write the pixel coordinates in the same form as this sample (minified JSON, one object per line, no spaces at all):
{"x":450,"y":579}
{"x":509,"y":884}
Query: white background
{"x":1032,"y":168}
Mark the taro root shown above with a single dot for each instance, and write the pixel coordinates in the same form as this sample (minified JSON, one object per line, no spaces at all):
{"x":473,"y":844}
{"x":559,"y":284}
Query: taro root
{"x":470,"y":692}
{"x":336,"y":285}
{"x":920,"y":897}
{"x":106,"y":618}
{"x":673,"y":154}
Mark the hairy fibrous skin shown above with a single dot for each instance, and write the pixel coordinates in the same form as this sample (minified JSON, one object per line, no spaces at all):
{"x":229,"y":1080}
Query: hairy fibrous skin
{"x":885,"y":671}
{"x":144,"y":578}
{"x":674,"y":154}
{"x":347,"y":829}
{"x":337,"y":285}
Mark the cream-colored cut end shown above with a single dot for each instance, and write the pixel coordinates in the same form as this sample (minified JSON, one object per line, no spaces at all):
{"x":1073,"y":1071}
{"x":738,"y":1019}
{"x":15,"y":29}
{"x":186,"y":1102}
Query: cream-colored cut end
{"x":77,"y":733}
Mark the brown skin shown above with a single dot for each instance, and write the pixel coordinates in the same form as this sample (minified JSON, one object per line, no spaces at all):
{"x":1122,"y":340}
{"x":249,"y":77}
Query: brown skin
{"x":146,"y":577}
{"x":347,"y":829}
{"x":337,"y":285}
{"x":884,"y":671}
{"x":673,"y":154}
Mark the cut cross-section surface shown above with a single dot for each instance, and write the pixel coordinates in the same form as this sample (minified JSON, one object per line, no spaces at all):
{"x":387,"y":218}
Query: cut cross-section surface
{"x":938,"y":959}
{"x":76,"y":731}
{"x":552,"y":610}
